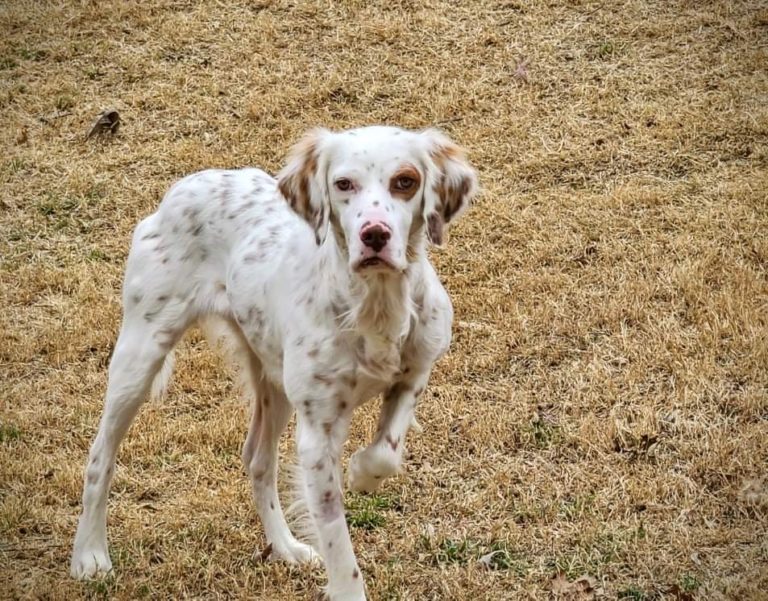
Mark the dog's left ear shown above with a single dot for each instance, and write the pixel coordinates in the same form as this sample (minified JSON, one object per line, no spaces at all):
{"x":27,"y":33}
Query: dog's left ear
{"x":302,"y":181}
{"x":451,"y":183}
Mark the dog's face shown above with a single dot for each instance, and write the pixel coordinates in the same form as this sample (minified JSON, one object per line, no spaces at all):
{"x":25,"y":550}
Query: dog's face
{"x":379,"y":189}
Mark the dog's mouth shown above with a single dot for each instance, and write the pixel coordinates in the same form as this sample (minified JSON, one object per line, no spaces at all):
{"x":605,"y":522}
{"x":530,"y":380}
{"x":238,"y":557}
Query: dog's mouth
{"x":374,"y":264}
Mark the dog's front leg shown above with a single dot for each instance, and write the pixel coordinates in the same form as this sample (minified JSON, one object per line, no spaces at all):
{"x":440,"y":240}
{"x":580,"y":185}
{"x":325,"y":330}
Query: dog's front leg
{"x":319,"y":447}
{"x":382,"y":458}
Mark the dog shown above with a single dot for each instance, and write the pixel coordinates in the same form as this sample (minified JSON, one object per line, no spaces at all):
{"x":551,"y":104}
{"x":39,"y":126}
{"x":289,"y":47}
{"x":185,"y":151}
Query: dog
{"x":321,"y":282}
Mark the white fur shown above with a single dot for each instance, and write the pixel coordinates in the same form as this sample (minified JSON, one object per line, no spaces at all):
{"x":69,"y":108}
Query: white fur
{"x":312,"y":330}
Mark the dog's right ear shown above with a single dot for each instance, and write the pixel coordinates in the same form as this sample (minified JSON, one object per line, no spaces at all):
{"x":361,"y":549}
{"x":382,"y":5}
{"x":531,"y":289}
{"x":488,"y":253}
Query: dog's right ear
{"x":302,"y":181}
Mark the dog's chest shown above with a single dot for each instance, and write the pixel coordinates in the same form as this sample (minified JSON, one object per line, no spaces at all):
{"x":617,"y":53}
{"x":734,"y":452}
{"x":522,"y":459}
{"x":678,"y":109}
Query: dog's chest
{"x":372,"y":366}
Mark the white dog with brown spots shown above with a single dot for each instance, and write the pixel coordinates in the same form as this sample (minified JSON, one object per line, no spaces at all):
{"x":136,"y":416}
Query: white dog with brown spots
{"x":322,"y":279}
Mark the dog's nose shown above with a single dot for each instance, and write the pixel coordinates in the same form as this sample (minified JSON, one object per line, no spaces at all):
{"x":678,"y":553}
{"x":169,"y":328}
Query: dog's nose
{"x":375,"y":236}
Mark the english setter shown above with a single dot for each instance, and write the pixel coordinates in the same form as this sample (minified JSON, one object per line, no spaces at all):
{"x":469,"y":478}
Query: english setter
{"x":322,"y":279}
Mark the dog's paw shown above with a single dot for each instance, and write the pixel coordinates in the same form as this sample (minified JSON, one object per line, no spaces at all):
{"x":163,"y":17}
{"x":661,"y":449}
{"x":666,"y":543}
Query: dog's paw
{"x":90,"y":563}
{"x":296,"y":553}
{"x":362,"y":476}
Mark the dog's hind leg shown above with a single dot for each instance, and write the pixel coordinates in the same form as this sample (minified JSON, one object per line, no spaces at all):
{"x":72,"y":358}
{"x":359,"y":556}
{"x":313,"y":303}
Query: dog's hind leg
{"x":154,"y":319}
{"x":270,"y":414}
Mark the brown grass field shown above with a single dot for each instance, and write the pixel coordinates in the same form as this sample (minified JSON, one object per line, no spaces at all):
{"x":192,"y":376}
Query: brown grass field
{"x":603,"y":412}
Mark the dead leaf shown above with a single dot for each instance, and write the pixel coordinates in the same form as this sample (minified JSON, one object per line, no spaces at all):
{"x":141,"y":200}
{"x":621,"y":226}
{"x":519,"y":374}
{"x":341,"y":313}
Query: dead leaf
{"x":265,"y":553}
{"x":107,"y":122}
{"x":679,"y":593}
{"x":22,"y":136}
{"x":521,"y":72}
{"x":560,"y":584}
{"x":583,"y":588}
{"x":485,"y":560}
{"x":754,"y":492}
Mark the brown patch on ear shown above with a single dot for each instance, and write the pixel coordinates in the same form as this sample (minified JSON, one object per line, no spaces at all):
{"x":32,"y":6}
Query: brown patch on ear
{"x":435,"y":225}
{"x":452,"y":196}
{"x":453,"y":191}
{"x":294,"y":183}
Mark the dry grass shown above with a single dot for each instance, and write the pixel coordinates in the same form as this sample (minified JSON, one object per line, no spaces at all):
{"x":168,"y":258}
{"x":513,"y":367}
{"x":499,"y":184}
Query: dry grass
{"x":604,"y":408}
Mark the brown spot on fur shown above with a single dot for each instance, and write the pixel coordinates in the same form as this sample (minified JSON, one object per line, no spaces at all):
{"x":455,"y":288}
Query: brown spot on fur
{"x":395,"y":392}
{"x":435,"y":224}
{"x":349,"y":380}
{"x":323,"y":379}
{"x":327,"y":428}
{"x":356,"y":574}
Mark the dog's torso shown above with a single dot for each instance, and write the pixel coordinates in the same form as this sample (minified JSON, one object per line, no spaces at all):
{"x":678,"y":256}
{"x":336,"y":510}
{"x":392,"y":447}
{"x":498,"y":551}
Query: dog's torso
{"x":235,"y":249}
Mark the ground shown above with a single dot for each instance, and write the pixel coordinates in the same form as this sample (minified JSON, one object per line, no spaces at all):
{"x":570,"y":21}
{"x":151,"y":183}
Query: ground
{"x":603,"y":411}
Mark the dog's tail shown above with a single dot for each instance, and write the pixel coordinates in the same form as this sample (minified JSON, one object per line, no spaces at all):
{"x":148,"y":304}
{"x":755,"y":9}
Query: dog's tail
{"x":222,"y":335}
{"x":163,"y":378}
{"x":297,"y":513}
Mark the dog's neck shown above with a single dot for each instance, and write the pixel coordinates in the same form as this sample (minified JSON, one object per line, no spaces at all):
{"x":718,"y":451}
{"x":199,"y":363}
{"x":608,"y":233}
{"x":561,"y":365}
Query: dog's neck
{"x":378,"y":307}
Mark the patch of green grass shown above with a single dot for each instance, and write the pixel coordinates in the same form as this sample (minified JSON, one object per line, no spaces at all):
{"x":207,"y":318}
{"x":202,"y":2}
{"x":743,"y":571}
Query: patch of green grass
{"x":64,"y":102}
{"x":633,"y":593}
{"x":7,"y":62}
{"x":606,"y":49}
{"x":96,"y":254}
{"x":501,"y":557}
{"x":74,"y":212}
{"x":101,"y":588}
{"x":15,"y":165}
{"x":57,"y":205}
{"x":493,"y":555}
{"x":32,"y":55}
{"x":455,"y":551}
{"x":592,"y":555}
{"x":365,"y":511}
{"x":577,"y":507}
{"x":689,"y":583}
{"x":93,"y":73}
{"x":9,"y":432}
{"x":544,"y":435}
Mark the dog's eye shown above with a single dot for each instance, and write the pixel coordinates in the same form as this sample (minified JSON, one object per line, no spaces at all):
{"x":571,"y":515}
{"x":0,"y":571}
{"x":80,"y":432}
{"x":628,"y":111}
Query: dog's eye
{"x":404,"y":183}
{"x":343,"y":185}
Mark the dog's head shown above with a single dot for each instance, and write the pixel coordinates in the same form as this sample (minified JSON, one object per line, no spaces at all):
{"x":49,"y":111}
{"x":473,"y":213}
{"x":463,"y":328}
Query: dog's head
{"x":380,"y":190}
